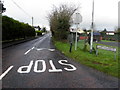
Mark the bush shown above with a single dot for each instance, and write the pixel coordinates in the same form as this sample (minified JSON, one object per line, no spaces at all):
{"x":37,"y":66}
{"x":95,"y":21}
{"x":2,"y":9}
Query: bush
{"x":39,"y":33}
{"x":59,"y":20}
{"x":13,"y":29}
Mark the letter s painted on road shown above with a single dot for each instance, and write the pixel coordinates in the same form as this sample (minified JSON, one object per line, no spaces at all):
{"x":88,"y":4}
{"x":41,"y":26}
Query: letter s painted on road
{"x":73,"y":67}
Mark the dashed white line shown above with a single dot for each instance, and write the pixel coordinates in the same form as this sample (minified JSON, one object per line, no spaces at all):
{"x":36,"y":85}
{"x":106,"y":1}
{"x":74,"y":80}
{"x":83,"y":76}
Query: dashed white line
{"x":32,"y":47}
{"x":39,"y":49}
{"x":5,"y":73}
{"x":28,"y":50}
{"x":40,"y":40}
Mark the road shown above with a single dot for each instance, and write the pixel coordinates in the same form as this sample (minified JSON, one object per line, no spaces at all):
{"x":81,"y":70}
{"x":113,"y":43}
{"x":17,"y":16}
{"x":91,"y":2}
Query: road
{"x":117,"y":44}
{"x":37,"y":64}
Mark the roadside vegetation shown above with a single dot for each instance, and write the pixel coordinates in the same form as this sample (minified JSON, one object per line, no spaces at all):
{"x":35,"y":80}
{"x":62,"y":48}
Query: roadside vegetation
{"x":15,"y":30}
{"x":115,"y":37}
{"x":60,"y":23}
{"x":39,"y":32}
{"x":104,"y":62}
{"x":107,"y":41}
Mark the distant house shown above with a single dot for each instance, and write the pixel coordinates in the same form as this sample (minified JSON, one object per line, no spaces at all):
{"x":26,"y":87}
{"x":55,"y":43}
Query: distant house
{"x":81,"y":35}
{"x":97,"y":36}
{"x":110,"y":33}
{"x":37,"y":28}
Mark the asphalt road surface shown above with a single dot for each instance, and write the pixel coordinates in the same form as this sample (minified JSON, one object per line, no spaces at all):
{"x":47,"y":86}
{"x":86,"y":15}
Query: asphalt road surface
{"x":37,"y":64}
{"x":117,"y":44}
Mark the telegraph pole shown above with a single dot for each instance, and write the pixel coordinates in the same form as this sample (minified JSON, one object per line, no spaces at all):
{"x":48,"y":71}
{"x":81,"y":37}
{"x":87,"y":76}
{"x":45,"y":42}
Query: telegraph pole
{"x":92,"y":29}
{"x":32,"y":21}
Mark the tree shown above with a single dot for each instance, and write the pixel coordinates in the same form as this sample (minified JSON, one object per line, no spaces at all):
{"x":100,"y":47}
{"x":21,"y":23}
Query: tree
{"x":3,"y":9}
{"x":44,"y":29}
{"x":103,"y":33}
{"x":39,"y":28}
{"x":118,"y":31}
{"x":60,"y":21}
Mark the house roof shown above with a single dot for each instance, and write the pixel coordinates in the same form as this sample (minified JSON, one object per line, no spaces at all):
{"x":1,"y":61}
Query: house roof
{"x":110,"y":32}
{"x":96,"y":33}
{"x":79,"y":30}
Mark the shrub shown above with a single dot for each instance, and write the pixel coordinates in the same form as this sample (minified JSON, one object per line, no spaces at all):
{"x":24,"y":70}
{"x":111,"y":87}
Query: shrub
{"x":13,"y":29}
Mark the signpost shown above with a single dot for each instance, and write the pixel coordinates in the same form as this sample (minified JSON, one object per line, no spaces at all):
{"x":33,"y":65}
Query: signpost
{"x":77,"y":21}
{"x":106,"y":48}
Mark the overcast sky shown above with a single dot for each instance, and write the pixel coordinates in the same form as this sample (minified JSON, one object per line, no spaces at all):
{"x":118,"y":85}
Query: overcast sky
{"x":106,"y":11}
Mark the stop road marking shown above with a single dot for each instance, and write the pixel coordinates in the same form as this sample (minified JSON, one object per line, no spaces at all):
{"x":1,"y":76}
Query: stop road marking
{"x":53,"y":68}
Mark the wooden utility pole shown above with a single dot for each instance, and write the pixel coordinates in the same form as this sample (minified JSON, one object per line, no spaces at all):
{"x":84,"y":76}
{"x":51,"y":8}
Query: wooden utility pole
{"x":32,"y":21}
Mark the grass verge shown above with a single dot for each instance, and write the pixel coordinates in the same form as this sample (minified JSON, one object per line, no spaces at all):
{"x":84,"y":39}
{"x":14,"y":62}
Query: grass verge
{"x":107,"y":41}
{"x":103,"y":62}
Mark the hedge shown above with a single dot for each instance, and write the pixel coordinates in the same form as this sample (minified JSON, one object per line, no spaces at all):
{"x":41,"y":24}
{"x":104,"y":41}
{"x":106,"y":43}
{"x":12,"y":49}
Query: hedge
{"x":13,"y":29}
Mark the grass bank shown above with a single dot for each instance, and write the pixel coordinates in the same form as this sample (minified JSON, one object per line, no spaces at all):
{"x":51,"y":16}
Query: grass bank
{"x":103,"y":62}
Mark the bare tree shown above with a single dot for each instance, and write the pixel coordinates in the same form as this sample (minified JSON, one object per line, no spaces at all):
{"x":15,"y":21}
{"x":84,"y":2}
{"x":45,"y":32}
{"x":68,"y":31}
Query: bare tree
{"x":60,"y":20}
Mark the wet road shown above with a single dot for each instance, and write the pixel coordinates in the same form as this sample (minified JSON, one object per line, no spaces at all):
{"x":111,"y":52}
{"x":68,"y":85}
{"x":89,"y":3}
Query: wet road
{"x":117,"y":44}
{"x":36,"y":64}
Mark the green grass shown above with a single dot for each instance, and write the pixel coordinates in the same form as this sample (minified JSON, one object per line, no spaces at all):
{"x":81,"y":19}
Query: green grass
{"x":103,"y":62}
{"x":108,"y":41}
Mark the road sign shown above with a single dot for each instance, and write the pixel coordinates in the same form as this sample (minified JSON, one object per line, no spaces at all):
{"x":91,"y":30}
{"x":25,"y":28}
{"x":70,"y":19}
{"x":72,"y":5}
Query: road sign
{"x":78,"y":18}
{"x":106,"y":48}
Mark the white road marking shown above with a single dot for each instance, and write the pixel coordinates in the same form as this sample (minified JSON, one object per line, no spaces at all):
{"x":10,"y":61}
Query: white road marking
{"x":39,"y":49}
{"x":32,"y":48}
{"x":36,"y":66}
{"x":51,"y":50}
{"x":28,"y":68}
{"x":54,"y":69}
{"x":5,"y":73}
{"x":28,"y":50}
{"x":40,"y":40}
{"x":73,"y":68}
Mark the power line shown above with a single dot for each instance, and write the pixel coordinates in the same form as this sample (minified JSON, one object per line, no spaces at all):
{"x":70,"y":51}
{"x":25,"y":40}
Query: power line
{"x":21,"y":8}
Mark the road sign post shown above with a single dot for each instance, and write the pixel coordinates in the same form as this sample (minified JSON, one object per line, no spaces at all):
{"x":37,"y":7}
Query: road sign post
{"x":78,"y":20}
{"x":106,"y":48}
